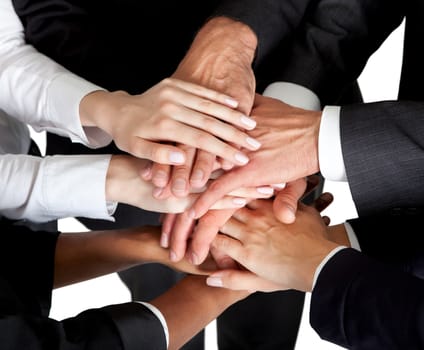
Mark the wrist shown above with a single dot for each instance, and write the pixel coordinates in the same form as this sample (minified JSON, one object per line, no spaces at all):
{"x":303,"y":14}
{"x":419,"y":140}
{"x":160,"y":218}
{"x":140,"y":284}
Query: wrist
{"x":220,"y":40}
{"x":233,"y":33}
{"x":338,"y":234}
{"x":313,"y":163}
{"x":97,"y":109}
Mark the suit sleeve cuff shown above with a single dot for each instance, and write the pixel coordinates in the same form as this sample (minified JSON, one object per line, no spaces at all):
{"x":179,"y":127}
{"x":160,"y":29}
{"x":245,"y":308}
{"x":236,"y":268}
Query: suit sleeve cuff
{"x":160,"y":317}
{"x":323,"y":262}
{"x":138,"y":326}
{"x":330,"y":154}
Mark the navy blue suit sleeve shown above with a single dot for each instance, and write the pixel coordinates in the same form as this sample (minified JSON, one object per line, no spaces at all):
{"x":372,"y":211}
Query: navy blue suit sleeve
{"x":359,"y":303}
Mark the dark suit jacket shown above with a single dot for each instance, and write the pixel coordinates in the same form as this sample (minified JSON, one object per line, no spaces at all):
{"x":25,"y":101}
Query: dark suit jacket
{"x":26,"y":280}
{"x":382,"y":142}
{"x":375,"y":299}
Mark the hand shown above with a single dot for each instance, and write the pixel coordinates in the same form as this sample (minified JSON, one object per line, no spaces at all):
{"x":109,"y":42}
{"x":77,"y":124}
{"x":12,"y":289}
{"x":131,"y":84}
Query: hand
{"x":125,"y":185}
{"x":219,"y":58}
{"x":289,"y":151}
{"x":171,"y":111}
{"x":286,"y":199}
{"x":186,"y":237}
{"x":285,"y":255}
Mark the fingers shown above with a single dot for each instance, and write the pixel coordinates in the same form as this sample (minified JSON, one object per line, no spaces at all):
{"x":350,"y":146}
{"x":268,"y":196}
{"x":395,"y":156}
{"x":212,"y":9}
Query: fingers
{"x":178,"y":236}
{"x":181,"y":173}
{"x":206,"y":230}
{"x":323,"y":201}
{"x":241,"y":280}
{"x":212,"y":103}
{"x":286,"y":200}
{"x":217,"y":189}
{"x":253,"y":192}
{"x":157,"y":152}
{"x":202,"y":168}
{"x":312,"y":182}
{"x":234,"y":228}
{"x":168,"y":221}
{"x":216,"y":138}
{"x":200,"y":90}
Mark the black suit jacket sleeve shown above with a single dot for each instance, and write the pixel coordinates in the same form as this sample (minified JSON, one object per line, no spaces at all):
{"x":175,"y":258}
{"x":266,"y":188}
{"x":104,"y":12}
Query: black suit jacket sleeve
{"x":26,"y":279}
{"x":395,"y":239}
{"x":359,"y":303}
{"x":336,"y":40}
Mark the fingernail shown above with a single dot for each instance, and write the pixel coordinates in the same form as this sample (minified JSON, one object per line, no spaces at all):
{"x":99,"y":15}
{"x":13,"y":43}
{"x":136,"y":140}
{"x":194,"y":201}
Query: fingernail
{"x":248,"y":122}
{"x":241,"y":158}
{"x":191,"y":214}
{"x":265,"y":190}
{"x":179,"y":185}
{"x":239,"y":201}
{"x":164,"y":240}
{"x":279,"y":186}
{"x":254,"y":143}
{"x":176,"y":158}
{"x":172,"y":256}
{"x":197,"y":175}
{"x":161,"y":178}
{"x":194,"y":259}
{"x":291,"y":214}
{"x":157,"y":192}
{"x":146,"y":172}
{"x":230,"y":102}
{"x":214,"y":281}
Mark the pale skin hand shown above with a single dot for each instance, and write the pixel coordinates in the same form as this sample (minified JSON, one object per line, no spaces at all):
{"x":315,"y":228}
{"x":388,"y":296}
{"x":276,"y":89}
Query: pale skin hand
{"x":219,"y":58}
{"x":176,"y":230}
{"x":289,"y":151}
{"x":285,"y":256}
{"x":173,"y":111}
{"x":125,"y":185}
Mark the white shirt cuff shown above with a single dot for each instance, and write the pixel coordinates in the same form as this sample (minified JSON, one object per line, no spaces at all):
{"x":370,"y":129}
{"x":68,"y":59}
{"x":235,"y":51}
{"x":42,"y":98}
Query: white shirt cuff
{"x":330,"y":154}
{"x":353,"y":239}
{"x":323,"y":262}
{"x":64,"y":95}
{"x":159,"y":315}
{"x":293,"y":94}
{"x":76,"y":186}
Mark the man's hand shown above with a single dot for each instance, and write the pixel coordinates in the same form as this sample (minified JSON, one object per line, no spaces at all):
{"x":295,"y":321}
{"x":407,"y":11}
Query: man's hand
{"x":284,"y":256}
{"x":219,"y":58}
{"x":289,"y":151}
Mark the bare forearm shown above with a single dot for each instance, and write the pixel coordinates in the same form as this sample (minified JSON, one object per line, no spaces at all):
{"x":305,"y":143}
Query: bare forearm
{"x":190,"y":305}
{"x":86,"y":255}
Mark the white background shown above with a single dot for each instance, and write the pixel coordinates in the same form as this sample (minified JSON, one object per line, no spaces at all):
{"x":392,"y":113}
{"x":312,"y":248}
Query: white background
{"x":379,"y":81}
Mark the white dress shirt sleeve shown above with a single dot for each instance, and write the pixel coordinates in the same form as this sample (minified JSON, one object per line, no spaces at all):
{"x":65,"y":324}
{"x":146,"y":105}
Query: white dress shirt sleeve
{"x":38,"y":91}
{"x":45,"y":189}
{"x":330,"y":153}
{"x":293,"y":94}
